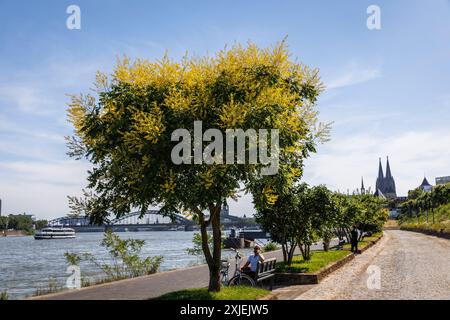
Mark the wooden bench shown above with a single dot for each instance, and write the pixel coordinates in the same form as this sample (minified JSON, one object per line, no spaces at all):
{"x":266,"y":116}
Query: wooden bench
{"x":265,"y":271}
{"x":341,"y":244}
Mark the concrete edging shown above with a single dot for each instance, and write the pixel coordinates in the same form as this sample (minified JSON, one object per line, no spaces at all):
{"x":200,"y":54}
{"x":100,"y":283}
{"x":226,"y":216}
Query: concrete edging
{"x":314,"y":278}
{"x":438,"y":234}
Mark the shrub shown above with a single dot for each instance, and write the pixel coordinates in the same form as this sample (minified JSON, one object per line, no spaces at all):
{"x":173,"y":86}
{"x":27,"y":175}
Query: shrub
{"x":126,"y":260}
{"x":4,"y":295}
{"x":270,"y":246}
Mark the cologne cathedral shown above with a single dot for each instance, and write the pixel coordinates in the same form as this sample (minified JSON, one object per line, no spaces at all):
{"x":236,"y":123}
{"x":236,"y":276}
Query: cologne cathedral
{"x":385,"y":185}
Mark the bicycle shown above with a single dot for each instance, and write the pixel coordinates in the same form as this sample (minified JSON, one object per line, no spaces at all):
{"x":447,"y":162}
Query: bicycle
{"x":239,"y":278}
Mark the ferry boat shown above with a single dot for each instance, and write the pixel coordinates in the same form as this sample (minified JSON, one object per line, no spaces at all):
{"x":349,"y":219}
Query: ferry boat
{"x":55,"y":233}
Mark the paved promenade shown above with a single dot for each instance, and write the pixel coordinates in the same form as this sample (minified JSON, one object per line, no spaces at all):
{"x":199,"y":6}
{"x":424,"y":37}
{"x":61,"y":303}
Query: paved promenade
{"x":412,"y":266}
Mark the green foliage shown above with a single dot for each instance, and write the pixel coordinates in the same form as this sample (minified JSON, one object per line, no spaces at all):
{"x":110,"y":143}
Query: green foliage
{"x":317,"y":261}
{"x":371,"y":214}
{"x":420,"y":201}
{"x":197,"y":249}
{"x":316,"y":217}
{"x":3,"y":223}
{"x":302,"y":215}
{"x":4,"y":295}
{"x":270,"y":246}
{"x":424,"y":220}
{"x":227,"y":293}
{"x":125,"y":256}
{"x":365,"y":242}
{"x":428,"y":211}
{"x":52,"y":287}
{"x":73,"y":259}
{"x":299,"y":217}
{"x":125,"y":131}
{"x":20,"y":222}
{"x":365,"y":211}
{"x":278,"y":218}
{"x":39,"y":224}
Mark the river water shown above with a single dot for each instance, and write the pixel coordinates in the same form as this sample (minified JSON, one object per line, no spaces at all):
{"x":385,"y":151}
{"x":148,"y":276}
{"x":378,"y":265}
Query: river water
{"x":27,"y":264}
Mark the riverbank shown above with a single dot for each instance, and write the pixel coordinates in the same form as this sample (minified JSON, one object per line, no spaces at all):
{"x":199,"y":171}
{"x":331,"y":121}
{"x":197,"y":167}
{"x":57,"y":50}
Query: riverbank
{"x":152,"y":286}
{"x":442,"y":233}
{"x":13,"y":233}
{"x":146,"y":287}
{"x":28,"y":265}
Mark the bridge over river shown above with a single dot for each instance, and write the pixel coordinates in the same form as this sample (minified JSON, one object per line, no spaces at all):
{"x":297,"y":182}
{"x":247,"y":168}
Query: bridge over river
{"x":152,"y":220}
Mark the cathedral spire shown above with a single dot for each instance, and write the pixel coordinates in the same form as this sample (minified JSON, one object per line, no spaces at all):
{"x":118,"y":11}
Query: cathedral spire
{"x":385,"y":184}
{"x":363,"y":189}
{"x":380,"y":170}
{"x":388,"y":169}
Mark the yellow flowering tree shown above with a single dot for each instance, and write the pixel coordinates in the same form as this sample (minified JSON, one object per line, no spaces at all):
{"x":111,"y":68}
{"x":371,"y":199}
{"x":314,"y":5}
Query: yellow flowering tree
{"x":125,"y":131}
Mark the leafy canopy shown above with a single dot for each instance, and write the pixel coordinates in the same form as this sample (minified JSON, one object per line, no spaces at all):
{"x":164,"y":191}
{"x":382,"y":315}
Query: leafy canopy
{"x":125,"y":128}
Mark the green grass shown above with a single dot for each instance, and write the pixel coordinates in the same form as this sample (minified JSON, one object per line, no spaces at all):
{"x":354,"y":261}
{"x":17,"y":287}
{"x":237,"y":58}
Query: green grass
{"x":366,"y":241}
{"x":226,"y":293}
{"x":319,"y":259}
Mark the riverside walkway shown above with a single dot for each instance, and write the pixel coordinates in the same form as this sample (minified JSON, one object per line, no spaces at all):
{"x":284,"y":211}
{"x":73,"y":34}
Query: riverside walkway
{"x":411,"y":265}
{"x":148,"y":287}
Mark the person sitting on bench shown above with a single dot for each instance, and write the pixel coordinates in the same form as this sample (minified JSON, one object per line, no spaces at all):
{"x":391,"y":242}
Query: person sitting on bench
{"x":250,"y":266}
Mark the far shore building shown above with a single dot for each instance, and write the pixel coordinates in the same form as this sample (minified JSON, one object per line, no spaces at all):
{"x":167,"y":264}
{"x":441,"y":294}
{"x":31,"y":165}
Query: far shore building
{"x":442,"y":180}
{"x":425,"y":185}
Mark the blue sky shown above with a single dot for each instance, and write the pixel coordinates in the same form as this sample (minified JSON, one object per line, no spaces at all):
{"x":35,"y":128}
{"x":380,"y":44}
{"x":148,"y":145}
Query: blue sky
{"x":388,"y":90}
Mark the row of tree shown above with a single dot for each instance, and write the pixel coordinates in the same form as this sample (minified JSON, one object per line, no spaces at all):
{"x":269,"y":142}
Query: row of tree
{"x":420,"y":201}
{"x":21,"y":222}
{"x":303,"y":215}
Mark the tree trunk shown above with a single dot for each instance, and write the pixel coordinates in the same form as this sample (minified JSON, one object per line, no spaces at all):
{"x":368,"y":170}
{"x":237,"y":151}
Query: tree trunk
{"x":291,"y":252}
{"x":284,"y":249}
{"x":326,"y":244}
{"x":214,"y":268}
{"x":206,"y":250}
{"x":347,"y":234}
{"x":305,"y":250}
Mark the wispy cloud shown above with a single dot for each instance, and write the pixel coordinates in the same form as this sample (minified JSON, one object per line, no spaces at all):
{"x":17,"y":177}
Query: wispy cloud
{"x":353,"y":74}
{"x":412,"y":154}
{"x":25,"y":98}
{"x":42,"y":90}
{"x":41,"y":187}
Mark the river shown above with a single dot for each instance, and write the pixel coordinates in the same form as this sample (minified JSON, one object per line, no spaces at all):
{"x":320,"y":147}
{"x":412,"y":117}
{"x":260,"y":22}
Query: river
{"x":27,"y":264}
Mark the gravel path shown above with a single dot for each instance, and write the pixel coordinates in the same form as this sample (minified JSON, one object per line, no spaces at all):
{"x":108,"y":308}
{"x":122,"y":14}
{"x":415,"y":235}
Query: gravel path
{"x":411,"y":266}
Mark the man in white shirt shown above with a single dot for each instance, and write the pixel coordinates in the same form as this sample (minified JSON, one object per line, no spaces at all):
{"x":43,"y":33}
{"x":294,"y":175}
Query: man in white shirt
{"x":252,"y":261}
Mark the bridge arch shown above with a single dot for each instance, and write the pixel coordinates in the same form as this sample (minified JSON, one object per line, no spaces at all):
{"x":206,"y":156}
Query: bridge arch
{"x":150,"y":217}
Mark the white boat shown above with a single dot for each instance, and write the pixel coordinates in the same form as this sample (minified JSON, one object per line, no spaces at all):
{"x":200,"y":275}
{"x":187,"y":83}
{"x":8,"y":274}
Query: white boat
{"x":55,"y":233}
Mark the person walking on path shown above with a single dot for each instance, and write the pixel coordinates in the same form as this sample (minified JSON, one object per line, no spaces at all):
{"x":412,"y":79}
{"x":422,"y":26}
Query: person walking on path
{"x":354,"y":239}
